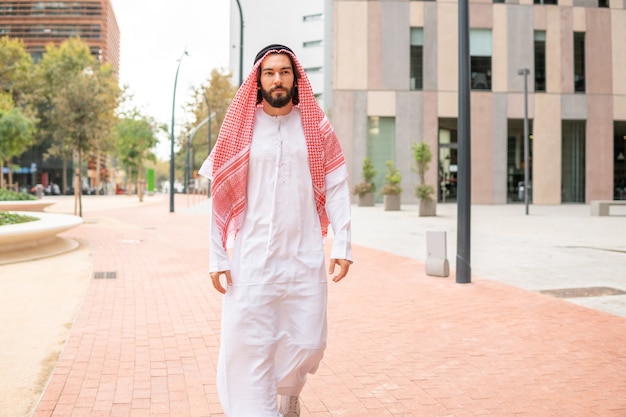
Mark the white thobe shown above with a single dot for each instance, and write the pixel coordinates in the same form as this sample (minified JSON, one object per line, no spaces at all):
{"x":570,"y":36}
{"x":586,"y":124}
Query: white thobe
{"x":274,"y":314}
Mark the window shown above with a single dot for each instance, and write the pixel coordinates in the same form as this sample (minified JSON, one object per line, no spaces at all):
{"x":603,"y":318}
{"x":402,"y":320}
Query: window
{"x":545,"y":1}
{"x":417,"y":59}
{"x":573,"y":161}
{"x":312,"y":17}
{"x":579,"y":61}
{"x":480,"y":59}
{"x":311,"y":44}
{"x":381,"y":145}
{"x":309,"y":70}
{"x":540,"y":60}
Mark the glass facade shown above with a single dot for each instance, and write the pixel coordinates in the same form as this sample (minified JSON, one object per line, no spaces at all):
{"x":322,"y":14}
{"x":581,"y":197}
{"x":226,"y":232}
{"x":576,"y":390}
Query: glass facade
{"x":381,"y":146}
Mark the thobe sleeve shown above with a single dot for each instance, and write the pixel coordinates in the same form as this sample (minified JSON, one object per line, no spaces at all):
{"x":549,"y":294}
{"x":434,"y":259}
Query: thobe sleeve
{"x":338,"y":210}
{"x":218,"y":257}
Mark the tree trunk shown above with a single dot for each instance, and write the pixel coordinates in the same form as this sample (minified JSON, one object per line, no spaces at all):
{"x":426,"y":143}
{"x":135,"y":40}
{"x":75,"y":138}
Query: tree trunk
{"x":64,"y":179}
{"x":10,"y":174}
{"x":78,"y":202}
{"x":1,"y":174}
{"x":140,"y":182}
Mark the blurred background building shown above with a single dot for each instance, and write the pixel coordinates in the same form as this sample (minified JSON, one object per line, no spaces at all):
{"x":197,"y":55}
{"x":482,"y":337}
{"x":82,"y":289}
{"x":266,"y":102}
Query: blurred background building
{"x":395,"y":82}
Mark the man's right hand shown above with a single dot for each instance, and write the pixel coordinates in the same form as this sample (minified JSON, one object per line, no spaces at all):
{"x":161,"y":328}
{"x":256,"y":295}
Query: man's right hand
{"x":215,"y":277}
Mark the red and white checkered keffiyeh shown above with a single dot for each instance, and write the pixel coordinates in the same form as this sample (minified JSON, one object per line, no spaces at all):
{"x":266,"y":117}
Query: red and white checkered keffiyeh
{"x":227,"y":165}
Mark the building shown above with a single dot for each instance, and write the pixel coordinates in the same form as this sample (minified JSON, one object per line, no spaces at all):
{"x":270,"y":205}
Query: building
{"x":303,"y":25}
{"x":40,"y":23}
{"x":396,"y":82}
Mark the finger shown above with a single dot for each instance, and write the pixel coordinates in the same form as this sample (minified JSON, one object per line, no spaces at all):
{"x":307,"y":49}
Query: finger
{"x":215,"y":277}
{"x":229,"y":280}
{"x":331,"y":266}
{"x":345,"y":265}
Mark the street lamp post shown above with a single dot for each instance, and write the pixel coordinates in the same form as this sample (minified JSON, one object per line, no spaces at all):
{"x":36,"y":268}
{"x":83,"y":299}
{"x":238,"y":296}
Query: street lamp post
{"x":240,"y":43}
{"x":464,"y":180}
{"x":525,"y":72}
{"x":172,"y":136}
{"x":208,"y":107}
{"x":192,"y":134}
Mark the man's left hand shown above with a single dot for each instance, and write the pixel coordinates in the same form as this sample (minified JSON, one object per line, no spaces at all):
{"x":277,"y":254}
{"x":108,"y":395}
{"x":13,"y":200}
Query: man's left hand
{"x":344,"y":264}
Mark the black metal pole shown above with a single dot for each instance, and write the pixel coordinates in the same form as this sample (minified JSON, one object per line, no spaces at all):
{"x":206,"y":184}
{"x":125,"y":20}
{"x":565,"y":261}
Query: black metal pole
{"x":208,"y":109}
{"x":240,"y":43}
{"x":172,"y":136}
{"x":463,"y":264}
{"x":185,"y":190}
{"x":525,"y":73}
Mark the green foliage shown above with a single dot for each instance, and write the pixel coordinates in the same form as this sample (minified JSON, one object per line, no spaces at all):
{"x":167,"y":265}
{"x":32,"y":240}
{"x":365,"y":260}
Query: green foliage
{"x":368,"y":173}
{"x":16,"y":71}
{"x":368,"y":170}
{"x":393,"y":178}
{"x":134,"y":140}
{"x":77,"y":99}
{"x":424,"y":192}
{"x":422,"y":156}
{"x":7,"y":218}
{"x":213,"y":97}
{"x":8,"y":195}
{"x":17,"y":133}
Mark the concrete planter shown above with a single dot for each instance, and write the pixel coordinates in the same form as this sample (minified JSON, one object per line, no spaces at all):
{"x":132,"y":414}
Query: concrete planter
{"x":427,"y":208}
{"x":36,"y":239}
{"x":392,"y":202}
{"x":367,"y":200}
{"x":25,"y":205}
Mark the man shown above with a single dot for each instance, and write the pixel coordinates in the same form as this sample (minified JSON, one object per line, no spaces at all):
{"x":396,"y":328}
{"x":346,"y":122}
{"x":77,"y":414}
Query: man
{"x":279,"y":179}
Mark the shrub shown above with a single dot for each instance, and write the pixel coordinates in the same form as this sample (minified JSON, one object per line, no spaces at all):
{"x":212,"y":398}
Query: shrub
{"x":392,"y":180}
{"x":8,"y":195}
{"x":368,"y":173}
{"x":7,"y":218}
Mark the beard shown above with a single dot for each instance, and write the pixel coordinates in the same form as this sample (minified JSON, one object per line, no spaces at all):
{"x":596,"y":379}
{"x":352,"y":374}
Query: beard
{"x":283,"y":97}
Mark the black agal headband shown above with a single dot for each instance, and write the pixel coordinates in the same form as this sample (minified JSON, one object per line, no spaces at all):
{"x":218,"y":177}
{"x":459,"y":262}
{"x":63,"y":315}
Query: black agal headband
{"x":274,"y":47}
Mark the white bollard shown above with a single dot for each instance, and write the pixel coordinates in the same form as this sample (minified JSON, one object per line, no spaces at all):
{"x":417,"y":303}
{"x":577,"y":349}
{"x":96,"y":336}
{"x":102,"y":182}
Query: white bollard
{"x":436,"y":256}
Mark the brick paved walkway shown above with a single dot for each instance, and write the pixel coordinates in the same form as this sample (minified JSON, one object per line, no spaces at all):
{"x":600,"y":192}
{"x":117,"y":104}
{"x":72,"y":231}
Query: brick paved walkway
{"x":400,"y":343}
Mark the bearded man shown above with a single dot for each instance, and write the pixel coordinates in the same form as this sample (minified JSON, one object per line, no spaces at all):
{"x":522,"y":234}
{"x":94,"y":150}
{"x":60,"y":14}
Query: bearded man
{"x":279,"y":180}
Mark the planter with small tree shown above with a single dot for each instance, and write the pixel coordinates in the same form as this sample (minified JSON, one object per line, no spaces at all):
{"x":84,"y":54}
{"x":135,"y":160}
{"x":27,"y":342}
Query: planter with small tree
{"x":391,"y":188}
{"x":365,"y":189}
{"x":424,"y":193}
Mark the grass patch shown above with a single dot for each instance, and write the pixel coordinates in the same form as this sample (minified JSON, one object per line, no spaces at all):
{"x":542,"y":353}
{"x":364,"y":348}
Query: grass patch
{"x":7,"y":218}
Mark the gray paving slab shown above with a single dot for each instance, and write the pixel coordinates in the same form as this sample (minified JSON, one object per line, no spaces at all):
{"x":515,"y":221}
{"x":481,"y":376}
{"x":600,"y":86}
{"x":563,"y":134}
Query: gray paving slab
{"x":553,"y":247}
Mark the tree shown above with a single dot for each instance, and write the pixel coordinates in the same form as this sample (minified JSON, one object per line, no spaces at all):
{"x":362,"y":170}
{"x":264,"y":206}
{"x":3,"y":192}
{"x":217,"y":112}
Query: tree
{"x":135,"y":137}
{"x":16,"y":130}
{"x":16,"y":71}
{"x":218,"y":92}
{"x":79,"y":96}
{"x":16,"y":135}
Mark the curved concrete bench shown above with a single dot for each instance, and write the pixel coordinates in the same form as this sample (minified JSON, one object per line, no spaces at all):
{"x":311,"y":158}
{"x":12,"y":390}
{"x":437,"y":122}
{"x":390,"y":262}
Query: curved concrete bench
{"x":25,"y":205}
{"x":38,"y":238}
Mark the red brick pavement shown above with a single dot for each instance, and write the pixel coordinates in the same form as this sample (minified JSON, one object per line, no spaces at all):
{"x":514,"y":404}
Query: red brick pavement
{"x":401,"y":343}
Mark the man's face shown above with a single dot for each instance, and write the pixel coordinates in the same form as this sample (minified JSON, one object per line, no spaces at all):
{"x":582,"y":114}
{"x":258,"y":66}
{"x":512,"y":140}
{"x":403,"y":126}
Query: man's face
{"x":277,"y":80}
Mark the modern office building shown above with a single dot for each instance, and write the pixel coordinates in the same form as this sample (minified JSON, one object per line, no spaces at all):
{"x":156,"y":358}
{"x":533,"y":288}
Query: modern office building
{"x":396,"y":83}
{"x":39,"y":23}
{"x":303,"y":25}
